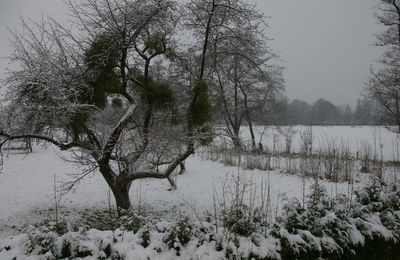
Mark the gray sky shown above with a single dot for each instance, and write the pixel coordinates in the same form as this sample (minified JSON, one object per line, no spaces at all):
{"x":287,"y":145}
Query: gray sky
{"x":326,"y":45}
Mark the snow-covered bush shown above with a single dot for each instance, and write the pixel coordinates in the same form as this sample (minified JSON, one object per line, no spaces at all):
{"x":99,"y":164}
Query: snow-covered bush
{"x":241,"y":220}
{"x":131,"y":221}
{"x":180,"y":234}
{"x":334,"y":228}
{"x":337,"y":228}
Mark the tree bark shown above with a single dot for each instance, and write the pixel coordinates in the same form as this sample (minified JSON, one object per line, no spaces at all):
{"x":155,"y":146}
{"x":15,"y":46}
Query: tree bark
{"x":120,"y":189}
{"x":119,"y":185}
{"x":121,"y":194}
{"x":236,"y":139}
{"x":248,"y":117}
{"x":253,"y":137}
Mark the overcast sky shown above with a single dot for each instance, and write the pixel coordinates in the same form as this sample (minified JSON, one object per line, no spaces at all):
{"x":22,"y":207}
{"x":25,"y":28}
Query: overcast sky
{"x":326,"y":45}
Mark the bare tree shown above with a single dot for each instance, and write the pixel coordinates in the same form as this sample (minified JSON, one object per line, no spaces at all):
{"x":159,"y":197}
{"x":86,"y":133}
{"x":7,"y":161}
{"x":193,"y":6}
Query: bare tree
{"x":109,"y":90}
{"x":384,"y":84}
{"x":245,"y":77}
{"x":69,"y":84}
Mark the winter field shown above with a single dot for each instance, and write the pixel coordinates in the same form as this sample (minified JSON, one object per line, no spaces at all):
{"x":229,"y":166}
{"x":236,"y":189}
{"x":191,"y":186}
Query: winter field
{"x":357,"y":138}
{"x":31,"y":183}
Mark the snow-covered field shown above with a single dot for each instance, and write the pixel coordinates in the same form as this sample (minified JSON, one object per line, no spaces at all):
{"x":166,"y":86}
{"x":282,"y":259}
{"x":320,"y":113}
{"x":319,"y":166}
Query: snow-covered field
{"x":27,"y":183}
{"x":356,"y":137}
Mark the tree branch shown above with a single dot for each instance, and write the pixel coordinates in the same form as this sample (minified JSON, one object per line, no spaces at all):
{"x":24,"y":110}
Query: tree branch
{"x":115,"y":134}
{"x":62,"y":146}
{"x":167,"y":173}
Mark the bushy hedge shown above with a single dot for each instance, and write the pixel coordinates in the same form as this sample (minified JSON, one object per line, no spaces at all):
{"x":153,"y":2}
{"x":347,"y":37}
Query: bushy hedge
{"x":326,"y":228}
{"x":339,"y":229}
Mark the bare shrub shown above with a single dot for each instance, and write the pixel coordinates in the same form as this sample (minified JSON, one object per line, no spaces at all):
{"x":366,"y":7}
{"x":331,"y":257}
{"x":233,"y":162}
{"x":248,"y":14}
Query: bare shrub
{"x":306,"y":141}
{"x":287,"y":132}
{"x":365,"y":156}
{"x":236,"y":205}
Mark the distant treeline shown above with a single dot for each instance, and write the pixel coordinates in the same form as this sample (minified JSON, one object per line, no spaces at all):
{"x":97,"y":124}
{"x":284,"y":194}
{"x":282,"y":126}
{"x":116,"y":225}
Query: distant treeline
{"x":322,"y":112}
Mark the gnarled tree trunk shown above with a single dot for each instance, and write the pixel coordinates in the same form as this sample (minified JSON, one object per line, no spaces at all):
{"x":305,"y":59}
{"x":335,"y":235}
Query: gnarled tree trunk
{"x":121,"y":194}
{"x":119,"y":185}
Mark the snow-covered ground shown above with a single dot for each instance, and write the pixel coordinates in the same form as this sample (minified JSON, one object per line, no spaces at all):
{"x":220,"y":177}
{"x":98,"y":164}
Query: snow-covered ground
{"x":27,"y":196}
{"x":27,"y":187}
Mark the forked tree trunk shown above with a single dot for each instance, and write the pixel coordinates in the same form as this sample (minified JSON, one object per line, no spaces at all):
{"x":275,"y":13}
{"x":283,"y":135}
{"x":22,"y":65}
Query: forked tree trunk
{"x":121,"y":194}
{"x":120,"y":189}
{"x":119,"y":186}
{"x":236,"y":142}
